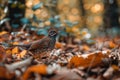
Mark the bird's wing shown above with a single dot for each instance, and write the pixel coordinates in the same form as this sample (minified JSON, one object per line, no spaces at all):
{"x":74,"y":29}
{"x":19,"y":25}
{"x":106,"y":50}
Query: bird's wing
{"x":40,"y":44}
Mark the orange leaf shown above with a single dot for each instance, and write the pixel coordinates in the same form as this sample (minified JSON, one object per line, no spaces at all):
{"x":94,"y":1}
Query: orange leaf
{"x":59,"y":45}
{"x":8,"y":51}
{"x":86,"y":60}
{"x":15,"y":50}
{"x":15,"y":43}
{"x":111,"y":44}
{"x":41,"y":69}
{"x":5,"y":74}
{"x":86,"y":48}
{"x":22,"y":54}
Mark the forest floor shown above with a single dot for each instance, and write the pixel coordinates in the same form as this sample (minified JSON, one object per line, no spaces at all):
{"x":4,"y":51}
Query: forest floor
{"x":97,"y":60}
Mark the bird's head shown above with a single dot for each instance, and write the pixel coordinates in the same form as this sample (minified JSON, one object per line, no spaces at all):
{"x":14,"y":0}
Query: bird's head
{"x":52,"y":32}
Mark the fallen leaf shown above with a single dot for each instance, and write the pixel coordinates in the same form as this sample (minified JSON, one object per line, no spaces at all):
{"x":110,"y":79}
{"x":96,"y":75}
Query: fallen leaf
{"x":2,"y":53}
{"x":86,"y":60}
{"x":15,"y":43}
{"x":22,"y":54}
{"x":86,"y":48}
{"x":110,"y":71}
{"x":59,"y":45}
{"x":40,"y":69}
{"x":3,"y":32}
{"x":5,"y":74}
{"x":115,"y":67}
{"x":15,"y":50}
{"x":112,"y":44}
{"x":8,"y":53}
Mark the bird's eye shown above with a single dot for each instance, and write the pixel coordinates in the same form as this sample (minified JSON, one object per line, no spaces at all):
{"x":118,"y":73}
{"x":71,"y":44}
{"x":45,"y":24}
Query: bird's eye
{"x":52,"y":33}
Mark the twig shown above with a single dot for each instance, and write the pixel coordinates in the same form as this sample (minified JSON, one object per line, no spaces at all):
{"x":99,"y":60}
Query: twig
{"x":24,"y":26}
{"x":13,"y":66}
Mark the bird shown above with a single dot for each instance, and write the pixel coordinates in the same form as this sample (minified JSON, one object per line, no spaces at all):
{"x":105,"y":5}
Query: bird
{"x":47,"y":43}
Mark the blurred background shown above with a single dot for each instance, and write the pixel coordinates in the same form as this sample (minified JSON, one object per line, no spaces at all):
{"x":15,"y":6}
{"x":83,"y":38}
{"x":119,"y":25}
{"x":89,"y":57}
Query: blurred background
{"x":77,"y":18}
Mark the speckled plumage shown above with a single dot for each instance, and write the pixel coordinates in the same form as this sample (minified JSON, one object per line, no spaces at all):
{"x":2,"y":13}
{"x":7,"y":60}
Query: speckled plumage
{"x":45,"y":44}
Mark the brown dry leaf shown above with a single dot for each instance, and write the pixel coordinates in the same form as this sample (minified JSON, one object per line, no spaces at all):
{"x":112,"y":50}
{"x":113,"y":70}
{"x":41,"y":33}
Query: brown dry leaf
{"x":86,"y":60}
{"x":2,"y":53}
{"x":40,"y":69}
{"x":110,"y":71}
{"x":22,"y":54}
{"x":115,"y":67}
{"x":4,"y":36}
{"x":15,"y":50}
{"x":5,"y":74}
{"x":112,"y":44}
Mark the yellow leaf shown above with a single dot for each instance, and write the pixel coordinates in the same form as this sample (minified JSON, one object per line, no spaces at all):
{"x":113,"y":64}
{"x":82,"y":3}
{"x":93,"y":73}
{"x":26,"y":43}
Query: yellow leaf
{"x":23,"y":53}
{"x":15,"y":43}
{"x":15,"y":50}
{"x":3,"y":32}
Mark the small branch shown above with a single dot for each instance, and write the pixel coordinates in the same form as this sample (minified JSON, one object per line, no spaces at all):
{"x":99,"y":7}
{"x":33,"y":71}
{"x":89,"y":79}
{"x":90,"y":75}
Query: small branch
{"x":13,"y":66}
